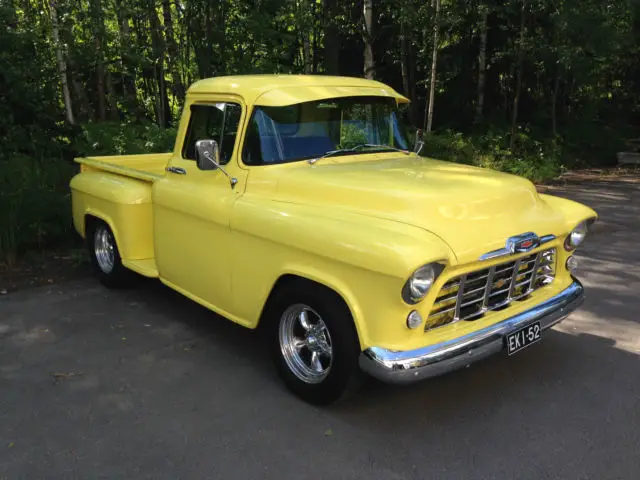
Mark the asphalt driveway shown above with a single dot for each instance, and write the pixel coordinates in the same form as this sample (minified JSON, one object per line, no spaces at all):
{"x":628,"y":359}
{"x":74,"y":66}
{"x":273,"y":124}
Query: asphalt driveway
{"x":146,"y":384}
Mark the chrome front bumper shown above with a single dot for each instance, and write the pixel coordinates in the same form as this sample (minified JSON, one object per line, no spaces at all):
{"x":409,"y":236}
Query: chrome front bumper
{"x":414,"y":365}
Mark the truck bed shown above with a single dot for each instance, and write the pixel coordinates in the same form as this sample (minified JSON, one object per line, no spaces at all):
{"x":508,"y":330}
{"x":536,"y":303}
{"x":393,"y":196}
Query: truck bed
{"x":149,"y":167}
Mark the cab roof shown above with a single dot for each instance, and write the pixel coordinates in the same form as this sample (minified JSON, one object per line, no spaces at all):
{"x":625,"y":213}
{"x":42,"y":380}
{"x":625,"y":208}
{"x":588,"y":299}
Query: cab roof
{"x":285,"y":89}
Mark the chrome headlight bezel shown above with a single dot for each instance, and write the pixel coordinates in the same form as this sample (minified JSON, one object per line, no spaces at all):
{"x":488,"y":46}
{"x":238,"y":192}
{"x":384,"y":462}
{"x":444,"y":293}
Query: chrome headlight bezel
{"x":420,"y":282}
{"x":576,"y":237}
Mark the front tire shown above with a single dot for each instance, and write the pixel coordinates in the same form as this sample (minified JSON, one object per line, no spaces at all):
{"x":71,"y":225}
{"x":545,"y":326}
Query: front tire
{"x":105,"y":256}
{"x":314,"y":344}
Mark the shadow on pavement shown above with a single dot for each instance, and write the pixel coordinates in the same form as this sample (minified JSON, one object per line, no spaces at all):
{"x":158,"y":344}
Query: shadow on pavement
{"x":158,"y":387}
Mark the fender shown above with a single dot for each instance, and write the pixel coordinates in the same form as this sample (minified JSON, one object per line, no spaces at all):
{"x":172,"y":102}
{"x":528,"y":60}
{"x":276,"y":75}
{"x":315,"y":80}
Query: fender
{"x":356,"y":256}
{"x":123,"y":203}
{"x":573,"y":212}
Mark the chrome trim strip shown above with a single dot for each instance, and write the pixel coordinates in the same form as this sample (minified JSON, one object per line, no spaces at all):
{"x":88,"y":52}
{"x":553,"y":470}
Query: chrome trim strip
{"x":546,"y":239}
{"x":414,"y":365}
{"x":510,"y":247}
{"x":501,"y":252}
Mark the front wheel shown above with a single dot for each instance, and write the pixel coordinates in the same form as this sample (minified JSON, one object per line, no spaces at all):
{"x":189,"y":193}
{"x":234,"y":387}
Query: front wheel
{"x":314,"y":344}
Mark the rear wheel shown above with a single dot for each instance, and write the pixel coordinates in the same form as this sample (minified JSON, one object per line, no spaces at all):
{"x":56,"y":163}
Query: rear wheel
{"x":105,"y":256}
{"x":313,"y":343}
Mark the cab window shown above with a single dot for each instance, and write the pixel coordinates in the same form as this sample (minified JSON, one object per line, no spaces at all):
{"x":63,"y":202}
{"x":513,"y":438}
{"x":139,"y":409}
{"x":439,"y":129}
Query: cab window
{"x":219,"y":122}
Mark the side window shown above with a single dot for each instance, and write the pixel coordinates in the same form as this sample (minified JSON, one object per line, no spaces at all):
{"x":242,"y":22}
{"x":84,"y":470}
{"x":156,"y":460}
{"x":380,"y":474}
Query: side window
{"x":219,"y":122}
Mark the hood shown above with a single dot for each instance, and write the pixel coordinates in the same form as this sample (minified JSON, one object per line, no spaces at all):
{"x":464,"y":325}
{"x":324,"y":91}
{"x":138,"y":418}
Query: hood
{"x":474,"y":210}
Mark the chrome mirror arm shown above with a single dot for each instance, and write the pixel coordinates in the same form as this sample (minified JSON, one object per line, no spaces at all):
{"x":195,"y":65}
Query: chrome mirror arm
{"x":232,"y":180}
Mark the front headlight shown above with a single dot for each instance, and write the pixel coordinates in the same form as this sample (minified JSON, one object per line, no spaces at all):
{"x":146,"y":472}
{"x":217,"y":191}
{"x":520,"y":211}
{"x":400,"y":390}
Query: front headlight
{"x":420,"y":282}
{"x":576,"y":236}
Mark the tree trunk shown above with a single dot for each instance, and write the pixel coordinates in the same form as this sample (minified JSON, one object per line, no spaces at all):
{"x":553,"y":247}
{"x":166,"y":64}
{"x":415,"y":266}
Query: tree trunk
{"x":304,"y":32}
{"x":331,"y":51}
{"x":516,"y":98}
{"x":482,"y":62}
{"x":222,"y":39}
{"x":404,"y":53}
{"x":209,"y":40}
{"x":81,"y":103}
{"x":158,"y":47}
{"x":314,"y":33}
{"x":306,"y":53}
{"x":172,"y":51}
{"x":554,"y":102}
{"x":62,"y":65}
{"x":127,"y":72}
{"x":111,"y":97}
{"x":98,"y":32}
{"x":407,"y":65}
{"x":434,"y":63}
{"x":367,"y":36}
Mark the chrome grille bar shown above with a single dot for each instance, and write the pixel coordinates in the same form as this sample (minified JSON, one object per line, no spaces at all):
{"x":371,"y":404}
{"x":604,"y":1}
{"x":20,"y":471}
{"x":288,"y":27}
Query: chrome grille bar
{"x":487,"y":290}
{"x":514,"y":275}
{"x":463,"y":280}
{"x":481,"y":291}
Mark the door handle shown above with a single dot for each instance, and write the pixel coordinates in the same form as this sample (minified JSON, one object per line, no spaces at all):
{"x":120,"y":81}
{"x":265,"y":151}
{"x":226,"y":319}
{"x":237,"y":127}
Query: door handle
{"x":178,"y":170}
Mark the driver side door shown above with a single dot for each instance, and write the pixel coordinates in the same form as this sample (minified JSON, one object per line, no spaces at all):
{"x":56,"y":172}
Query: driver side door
{"x":192,"y":209}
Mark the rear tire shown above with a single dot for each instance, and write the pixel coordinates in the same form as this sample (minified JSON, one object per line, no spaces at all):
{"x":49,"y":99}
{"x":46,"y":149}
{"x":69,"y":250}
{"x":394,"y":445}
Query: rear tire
{"x":105,"y":256}
{"x":313,"y":343}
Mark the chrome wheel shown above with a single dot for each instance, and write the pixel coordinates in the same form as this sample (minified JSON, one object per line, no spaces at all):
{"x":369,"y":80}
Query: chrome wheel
{"x":305,"y":343}
{"x":104,"y":248}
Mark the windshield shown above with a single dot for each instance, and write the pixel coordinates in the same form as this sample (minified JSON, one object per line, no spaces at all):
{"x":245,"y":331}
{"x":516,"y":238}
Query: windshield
{"x":312,"y":129}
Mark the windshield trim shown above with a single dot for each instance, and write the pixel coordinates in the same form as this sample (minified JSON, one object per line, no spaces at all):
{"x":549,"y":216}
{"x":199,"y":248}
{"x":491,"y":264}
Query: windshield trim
{"x":255,"y":108}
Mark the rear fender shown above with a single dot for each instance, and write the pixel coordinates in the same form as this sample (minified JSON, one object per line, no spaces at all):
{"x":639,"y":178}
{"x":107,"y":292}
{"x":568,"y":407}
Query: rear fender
{"x":122,"y":203}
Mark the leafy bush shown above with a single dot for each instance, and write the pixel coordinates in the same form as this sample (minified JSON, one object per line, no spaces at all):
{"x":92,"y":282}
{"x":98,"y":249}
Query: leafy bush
{"x":35,"y":208}
{"x":533,"y":159}
{"x":127,"y":138}
{"x":34,"y":201}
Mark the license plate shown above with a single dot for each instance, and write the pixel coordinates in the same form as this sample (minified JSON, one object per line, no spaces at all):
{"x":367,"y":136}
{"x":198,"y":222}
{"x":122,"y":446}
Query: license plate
{"x":522,"y":338}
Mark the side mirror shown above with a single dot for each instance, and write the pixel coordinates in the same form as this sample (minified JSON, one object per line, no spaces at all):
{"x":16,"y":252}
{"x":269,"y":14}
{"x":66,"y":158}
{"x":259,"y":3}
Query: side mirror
{"x":419,"y":141}
{"x":207,"y":155}
{"x":208,"y":158}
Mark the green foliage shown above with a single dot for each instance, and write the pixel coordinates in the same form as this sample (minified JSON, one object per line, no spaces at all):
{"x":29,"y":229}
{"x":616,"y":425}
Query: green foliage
{"x":127,"y":64}
{"x":35,"y":204}
{"x":352,"y":135}
{"x":34,"y":189}
{"x":536,"y":160}
{"x":127,"y":138}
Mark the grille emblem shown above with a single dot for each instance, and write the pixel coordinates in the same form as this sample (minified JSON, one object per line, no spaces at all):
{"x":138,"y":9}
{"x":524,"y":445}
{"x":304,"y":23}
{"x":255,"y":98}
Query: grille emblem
{"x":518,"y":244}
{"x":523,"y":243}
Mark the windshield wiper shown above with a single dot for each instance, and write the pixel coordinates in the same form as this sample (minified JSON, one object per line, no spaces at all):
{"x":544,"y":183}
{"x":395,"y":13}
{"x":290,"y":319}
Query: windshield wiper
{"x":340,"y":151}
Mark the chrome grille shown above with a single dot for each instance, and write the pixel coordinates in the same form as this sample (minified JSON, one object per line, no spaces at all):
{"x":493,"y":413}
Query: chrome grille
{"x":470,"y":296}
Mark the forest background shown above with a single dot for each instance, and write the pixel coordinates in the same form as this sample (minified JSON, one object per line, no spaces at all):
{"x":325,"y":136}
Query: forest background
{"x":532,"y":87}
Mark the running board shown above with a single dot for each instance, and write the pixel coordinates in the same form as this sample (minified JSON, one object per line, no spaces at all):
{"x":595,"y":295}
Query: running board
{"x":146,"y":267}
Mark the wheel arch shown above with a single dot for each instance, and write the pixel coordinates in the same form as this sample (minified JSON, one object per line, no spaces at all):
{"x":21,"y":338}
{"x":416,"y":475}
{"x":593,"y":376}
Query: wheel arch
{"x":292,"y":279}
{"x":91,"y":217}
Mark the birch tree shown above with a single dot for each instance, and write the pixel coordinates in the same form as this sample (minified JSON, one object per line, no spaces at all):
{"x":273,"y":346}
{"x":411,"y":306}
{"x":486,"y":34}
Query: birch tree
{"x":434,"y":65}
{"x":62,"y":64}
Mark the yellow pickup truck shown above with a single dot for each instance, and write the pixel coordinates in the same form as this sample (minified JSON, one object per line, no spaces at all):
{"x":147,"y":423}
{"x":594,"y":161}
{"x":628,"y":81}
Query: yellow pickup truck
{"x":295,"y":203}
